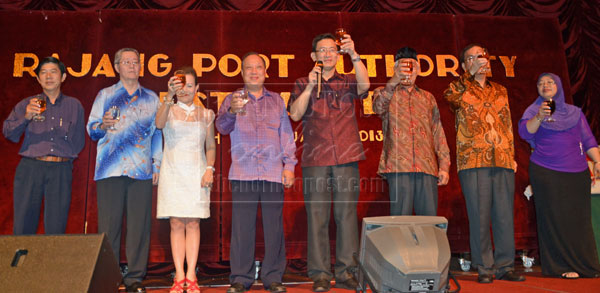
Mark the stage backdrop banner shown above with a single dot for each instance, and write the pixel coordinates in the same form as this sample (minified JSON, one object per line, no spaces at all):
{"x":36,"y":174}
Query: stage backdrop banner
{"x":214,"y":42}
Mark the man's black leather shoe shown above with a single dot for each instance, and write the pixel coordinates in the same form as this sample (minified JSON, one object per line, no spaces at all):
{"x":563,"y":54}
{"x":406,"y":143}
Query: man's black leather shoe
{"x":136,"y":287}
{"x":350,"y":284}
{"x":236,"y":288}
{"x":321,"y":285}
{"x":485,"y":279}
{"x":276,"y":287}
{"x":512,"y":276}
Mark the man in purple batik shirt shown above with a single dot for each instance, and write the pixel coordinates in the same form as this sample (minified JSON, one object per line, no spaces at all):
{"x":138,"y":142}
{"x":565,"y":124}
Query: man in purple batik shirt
{"x":262,"y":164}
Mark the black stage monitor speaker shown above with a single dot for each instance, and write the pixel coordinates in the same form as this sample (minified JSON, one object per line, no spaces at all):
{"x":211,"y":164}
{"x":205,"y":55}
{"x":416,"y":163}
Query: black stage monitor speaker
{"x":405,"y":253}
{"x":58,"y":263}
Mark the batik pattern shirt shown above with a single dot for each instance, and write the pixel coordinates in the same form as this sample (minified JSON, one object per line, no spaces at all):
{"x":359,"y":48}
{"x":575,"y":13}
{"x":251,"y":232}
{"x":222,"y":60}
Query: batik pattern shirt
{"x":484,"y":133}
{"x":413,"y":137}
{"x":134,"y":148}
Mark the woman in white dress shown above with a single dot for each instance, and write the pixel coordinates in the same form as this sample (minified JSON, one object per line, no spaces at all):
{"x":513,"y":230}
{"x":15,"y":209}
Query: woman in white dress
{"x":186,"y":173}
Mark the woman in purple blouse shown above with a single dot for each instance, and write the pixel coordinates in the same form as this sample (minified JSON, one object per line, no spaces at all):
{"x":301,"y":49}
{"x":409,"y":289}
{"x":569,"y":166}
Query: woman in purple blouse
{"x":560,"y":180}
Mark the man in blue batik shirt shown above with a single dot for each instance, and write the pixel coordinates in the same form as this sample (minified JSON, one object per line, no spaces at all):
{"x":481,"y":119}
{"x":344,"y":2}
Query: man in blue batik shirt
{"x":127,"y":163}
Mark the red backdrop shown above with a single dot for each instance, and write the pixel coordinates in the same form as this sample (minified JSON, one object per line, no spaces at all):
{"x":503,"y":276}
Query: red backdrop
{"x":214,"y":41}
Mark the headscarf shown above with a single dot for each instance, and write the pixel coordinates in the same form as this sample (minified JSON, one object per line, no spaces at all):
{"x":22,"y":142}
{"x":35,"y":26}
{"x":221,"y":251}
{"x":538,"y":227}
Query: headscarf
{"x":566,"y":115}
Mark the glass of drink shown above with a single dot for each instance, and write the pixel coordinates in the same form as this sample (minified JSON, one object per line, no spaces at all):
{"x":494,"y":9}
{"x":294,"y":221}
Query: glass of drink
{"x":116,"y":114}
{"x":408,"y":72}
{"x":552,"y":104}
{"x":339,"y":37}
{"x":242,"y":93}
{"x":485,"y":55}
{"x":41,"y":101}
{"x":181,"y":77}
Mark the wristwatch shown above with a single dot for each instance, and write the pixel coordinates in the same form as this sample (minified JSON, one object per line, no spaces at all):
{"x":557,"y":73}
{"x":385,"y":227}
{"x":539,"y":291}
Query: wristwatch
{"x":210,"y":168}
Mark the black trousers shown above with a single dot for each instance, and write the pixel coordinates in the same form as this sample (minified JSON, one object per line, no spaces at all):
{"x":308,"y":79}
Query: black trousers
{"x":408,"y":191}
{"x":245,"y":198}
{"x":119,"y":194}
{"x":36,"y":181}
{"x":489,"y":195}
{"x":323,"y":186}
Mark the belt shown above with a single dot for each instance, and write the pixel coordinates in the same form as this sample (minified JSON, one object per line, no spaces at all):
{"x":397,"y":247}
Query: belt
{"x":52,"y":159}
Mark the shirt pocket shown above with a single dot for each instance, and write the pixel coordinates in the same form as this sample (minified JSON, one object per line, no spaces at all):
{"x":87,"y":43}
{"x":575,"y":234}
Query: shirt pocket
{"x":272,"y":122}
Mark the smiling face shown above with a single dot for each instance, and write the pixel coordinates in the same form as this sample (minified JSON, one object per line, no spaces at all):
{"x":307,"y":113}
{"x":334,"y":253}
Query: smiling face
{"x":50,"y":77}
{"x":547,"y":87}
{"x":129,"y":66}
{"x":253,"y":71}
{"x":326,"y":51}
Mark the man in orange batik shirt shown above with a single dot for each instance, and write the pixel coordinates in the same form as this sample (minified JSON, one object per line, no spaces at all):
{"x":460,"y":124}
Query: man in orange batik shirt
{"x":485,"y":161}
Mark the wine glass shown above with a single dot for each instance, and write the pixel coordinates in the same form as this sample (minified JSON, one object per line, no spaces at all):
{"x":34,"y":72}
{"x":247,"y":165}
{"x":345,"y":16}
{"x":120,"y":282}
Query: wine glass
{"x":339,"y":37}
{"x":485,"y":55}
{"x":242,"y":93}
{"x":552,"y":104}
{"x":408,"y":73}
{"x":41,"y":101}
{"x":116,"y":114}
{"x":181,"y":76}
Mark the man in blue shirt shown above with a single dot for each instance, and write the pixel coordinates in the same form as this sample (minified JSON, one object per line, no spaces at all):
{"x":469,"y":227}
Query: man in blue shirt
{"x":262,"y":164}
{"x":127,"y":162}
{"x":53,"y":138}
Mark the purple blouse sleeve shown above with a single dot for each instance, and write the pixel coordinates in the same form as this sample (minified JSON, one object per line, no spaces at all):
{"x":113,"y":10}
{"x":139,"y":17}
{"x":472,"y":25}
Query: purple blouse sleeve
{"x":523,"y":132}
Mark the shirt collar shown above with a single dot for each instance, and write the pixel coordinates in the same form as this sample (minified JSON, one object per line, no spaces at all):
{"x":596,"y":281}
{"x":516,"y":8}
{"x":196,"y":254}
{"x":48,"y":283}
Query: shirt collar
{"x":135,"y":93}
{"x":56,"y":102}
{"x":186,"y":108}
{"x":415,"y":88}
{"x":265,"y":92}
{"x":336,"y":75}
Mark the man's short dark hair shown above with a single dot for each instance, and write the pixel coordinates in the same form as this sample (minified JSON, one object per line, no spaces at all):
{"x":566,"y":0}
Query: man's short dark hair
{"x":253,"y":53}
{"x":51,"y":59}
{"x":467,"y":48}
{"x":406,"y":52}
{"x":320,"y":38}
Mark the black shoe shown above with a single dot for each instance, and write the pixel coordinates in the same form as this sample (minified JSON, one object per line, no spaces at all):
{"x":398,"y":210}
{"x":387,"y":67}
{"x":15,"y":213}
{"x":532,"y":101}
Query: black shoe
{"x":136,"y":287}
{"x":321,"y":285}
{"x":512,"y":276}
{"x":485,"y":279}
{"x":236,"y":288}
{"x":349,"y":283}
{"x":276,"y":287}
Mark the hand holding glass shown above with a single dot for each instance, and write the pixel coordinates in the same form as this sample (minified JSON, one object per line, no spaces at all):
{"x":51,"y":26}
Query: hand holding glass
{"x":552,"y":104}
{"x":407,"y":70}
{"x":42,"y":103}
{"x":181,"y":77}
{"x":485,"y":55}
{"x":339,"y":37}
{"x":116,"y":114}
{"x":241,"y":93}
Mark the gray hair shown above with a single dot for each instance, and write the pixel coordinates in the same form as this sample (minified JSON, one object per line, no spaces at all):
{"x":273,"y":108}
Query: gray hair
{"x":120,"y":52}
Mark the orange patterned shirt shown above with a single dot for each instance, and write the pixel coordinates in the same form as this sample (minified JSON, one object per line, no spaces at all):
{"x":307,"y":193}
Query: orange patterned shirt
{"x":414,"y":140}
{"x":484,"y":133}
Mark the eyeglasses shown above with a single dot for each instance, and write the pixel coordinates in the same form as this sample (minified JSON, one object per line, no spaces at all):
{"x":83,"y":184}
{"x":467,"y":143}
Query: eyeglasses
{"x":129,"y":62}
{"x":550,"y":83}
{"x":471,"y":58}
{"x":327,"y":50}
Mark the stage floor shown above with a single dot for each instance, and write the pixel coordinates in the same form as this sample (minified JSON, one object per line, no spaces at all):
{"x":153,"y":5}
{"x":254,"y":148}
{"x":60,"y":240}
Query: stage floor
{"x":468,"y":281}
